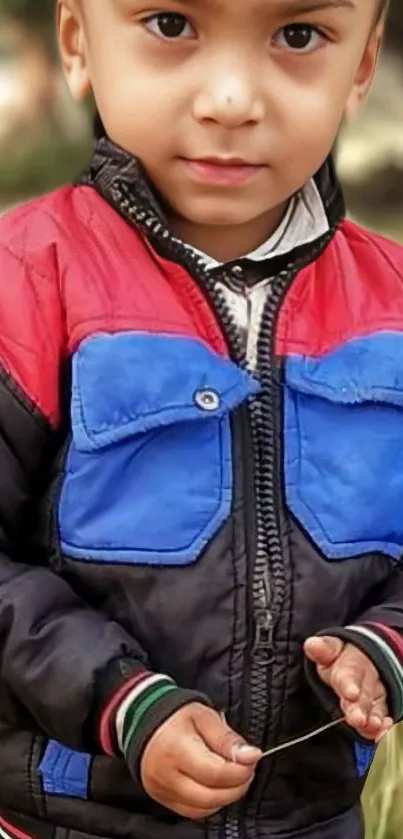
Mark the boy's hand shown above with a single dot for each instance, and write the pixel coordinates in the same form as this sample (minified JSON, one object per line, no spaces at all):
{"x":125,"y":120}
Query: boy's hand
{"x":195,"y":764}
{"x":355,"y":680}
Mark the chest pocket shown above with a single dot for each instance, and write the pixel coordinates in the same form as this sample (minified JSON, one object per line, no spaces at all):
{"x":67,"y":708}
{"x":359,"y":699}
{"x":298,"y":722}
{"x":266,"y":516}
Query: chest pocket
{"x":344,"y":446}
{"x":149,"y":472}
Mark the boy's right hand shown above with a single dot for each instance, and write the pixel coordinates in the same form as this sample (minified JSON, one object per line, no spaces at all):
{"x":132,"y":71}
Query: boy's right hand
{"x":195,"y":764}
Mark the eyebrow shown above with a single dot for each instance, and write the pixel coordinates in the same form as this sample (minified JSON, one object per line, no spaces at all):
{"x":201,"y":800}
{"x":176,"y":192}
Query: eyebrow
{"x":302,"y":7}
{"x":289,"y":7}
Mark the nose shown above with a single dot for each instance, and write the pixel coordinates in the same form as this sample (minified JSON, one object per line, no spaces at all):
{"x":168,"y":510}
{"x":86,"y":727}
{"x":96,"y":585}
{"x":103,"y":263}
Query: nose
{"x":230,"y":96}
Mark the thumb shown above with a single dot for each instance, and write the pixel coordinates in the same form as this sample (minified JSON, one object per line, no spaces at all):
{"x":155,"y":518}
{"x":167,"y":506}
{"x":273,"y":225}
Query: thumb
{"x":222,"y":740}
{"x":323,"y":651}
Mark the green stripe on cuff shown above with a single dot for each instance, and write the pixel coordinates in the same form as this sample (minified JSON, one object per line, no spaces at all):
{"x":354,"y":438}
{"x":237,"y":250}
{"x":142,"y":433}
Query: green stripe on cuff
{"x":149,"y":688}
{"x":389,"y":655}
{"x":147,"y":701}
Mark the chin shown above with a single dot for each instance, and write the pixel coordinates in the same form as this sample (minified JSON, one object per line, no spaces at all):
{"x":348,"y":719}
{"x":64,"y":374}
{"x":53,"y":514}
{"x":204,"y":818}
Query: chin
{"x":220,"y":213}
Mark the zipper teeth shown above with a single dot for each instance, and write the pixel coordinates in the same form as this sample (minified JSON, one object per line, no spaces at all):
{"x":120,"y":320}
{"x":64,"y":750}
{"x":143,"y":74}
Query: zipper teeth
{"x":262,"y":409}
{"x":231,"y":827}
{"x":263,"y":430}
{"x":269,"y":550}
{"x":155,"y":230}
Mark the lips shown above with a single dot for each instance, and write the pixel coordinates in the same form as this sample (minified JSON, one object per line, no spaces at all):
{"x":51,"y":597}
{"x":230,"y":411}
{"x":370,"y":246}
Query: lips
{"x":223,"y":170}
{"x":224,"y":161}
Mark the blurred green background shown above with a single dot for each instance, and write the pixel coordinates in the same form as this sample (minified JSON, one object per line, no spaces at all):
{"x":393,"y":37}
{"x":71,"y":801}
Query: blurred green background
{"x":45,"y":140}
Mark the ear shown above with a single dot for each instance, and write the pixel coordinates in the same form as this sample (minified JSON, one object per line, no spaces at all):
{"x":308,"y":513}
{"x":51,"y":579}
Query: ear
{"x":72,"y":45}
{"x":365,"y":72}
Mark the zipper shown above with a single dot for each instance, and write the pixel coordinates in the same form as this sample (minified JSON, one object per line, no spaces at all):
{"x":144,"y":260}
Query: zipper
{"x":268,"y":579}
{"x":264,"y":620}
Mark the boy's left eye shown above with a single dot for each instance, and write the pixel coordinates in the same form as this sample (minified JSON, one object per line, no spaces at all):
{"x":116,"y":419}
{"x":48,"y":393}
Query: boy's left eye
{"x":299,"y":37}
{"x":170,"y":26}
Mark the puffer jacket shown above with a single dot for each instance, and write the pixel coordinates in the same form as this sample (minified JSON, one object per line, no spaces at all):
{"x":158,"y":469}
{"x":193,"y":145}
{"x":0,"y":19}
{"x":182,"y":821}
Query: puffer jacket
{"x":162,"y":507}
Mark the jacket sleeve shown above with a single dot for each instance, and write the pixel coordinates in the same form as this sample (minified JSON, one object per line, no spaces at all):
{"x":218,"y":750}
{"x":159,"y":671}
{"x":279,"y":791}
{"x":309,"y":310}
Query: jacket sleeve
{"x":377,"y":632}
{"x":69,"y":665}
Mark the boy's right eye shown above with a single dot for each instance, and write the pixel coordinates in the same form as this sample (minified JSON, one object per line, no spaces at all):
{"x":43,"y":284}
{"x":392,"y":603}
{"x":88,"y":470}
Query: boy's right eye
{"x":169,"y":26}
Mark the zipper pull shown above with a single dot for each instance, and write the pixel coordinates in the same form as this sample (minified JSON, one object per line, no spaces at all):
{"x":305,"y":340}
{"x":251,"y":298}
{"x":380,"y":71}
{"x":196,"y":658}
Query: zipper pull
{"x":264,"y":629}
{"x":264,"y":622}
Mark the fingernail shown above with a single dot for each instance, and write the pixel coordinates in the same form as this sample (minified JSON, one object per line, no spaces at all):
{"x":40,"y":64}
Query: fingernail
{"x":244,"y":750}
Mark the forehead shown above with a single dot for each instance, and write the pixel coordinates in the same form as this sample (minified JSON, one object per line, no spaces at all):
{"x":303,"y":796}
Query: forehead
{"x":280,"y":7}
{"x":273,"y":12}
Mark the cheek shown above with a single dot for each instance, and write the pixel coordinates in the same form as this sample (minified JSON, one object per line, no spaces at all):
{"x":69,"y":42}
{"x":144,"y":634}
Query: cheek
{"x":312,"y":125}
{"x":310,"y":103}
{"x":132,"y":111}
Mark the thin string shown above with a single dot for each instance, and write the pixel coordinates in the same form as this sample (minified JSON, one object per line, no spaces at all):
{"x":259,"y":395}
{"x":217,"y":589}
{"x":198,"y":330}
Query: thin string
{"x":302,"y":739}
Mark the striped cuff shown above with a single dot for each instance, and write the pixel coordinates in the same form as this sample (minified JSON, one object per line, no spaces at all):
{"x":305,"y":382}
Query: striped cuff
{"x":387,"y":653}
{"x":373,"y":641}
{"x":107,"y":724}
{"x":145,"y":708}
{"x":147,"y":690}
{"x":132,"y":703}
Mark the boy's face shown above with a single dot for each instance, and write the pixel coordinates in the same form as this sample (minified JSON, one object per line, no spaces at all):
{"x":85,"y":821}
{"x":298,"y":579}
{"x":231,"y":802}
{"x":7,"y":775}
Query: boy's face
{"x":260,"y":82}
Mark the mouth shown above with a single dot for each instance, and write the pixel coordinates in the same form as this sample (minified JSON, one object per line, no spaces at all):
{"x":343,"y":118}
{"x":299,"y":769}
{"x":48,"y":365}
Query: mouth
{"x":223,"y":170}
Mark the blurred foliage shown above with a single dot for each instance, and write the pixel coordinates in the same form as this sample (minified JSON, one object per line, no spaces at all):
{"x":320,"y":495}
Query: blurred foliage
{"x":383,"y":801}
{"x":37,"y":17}
{"x":37,"y":13}
{"x":40,"y":154}
{"x":41,"y":165}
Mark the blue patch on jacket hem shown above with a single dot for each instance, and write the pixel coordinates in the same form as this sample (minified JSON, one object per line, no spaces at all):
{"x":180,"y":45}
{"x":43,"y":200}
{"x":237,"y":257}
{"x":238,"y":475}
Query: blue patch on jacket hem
{"x":65,"y":772}
{"x":364,"y":755}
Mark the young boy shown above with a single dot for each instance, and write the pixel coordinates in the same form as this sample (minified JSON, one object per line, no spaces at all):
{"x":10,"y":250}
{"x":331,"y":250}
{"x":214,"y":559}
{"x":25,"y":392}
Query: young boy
{"x":201,"y":413}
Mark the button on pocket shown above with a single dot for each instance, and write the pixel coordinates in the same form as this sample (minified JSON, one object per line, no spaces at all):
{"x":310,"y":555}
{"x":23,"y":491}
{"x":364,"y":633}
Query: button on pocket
{"x":207,"y":400}
{"x":149,"y":472}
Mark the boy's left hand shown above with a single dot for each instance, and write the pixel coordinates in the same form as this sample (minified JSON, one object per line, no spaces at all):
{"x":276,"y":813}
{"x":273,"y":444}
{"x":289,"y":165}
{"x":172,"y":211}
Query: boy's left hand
{"x":355,"y":680}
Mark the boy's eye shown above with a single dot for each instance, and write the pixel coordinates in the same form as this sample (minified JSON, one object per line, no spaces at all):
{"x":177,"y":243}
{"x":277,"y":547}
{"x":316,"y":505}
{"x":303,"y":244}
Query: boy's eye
{"x":299,"y":37}
{"x":170,"y":26}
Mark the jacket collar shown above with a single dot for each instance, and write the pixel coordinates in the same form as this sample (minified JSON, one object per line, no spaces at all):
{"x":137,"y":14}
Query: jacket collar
{"x":122,"y":181}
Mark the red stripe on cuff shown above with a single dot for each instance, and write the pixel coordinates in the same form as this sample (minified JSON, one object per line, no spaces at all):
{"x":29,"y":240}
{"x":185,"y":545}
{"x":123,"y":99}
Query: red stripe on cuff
{"x":394,"y":638}
{"x":105,"y":735}
{"x":14,"y":831}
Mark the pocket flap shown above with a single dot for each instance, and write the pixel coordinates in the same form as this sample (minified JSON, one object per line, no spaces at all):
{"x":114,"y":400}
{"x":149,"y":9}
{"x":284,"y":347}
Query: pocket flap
{"x":343,"y":446}
{"x":129,"y":383}
{"x":366,"y":369}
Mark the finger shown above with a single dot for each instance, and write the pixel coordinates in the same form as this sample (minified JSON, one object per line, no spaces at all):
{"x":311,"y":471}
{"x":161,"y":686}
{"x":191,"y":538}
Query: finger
{"x":323,"y":651}
{"x":193,"y":813}
{"x":185,"y":793}
{"x":194,"y":759}
{"x":366,"y":719}
{"x":373,"y":698}
{"x":387,"y":725}
{"x":223,"y":741}
{"x":368,"y":727}
{"x":347,"y":676}
{"x":192,"y":794}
